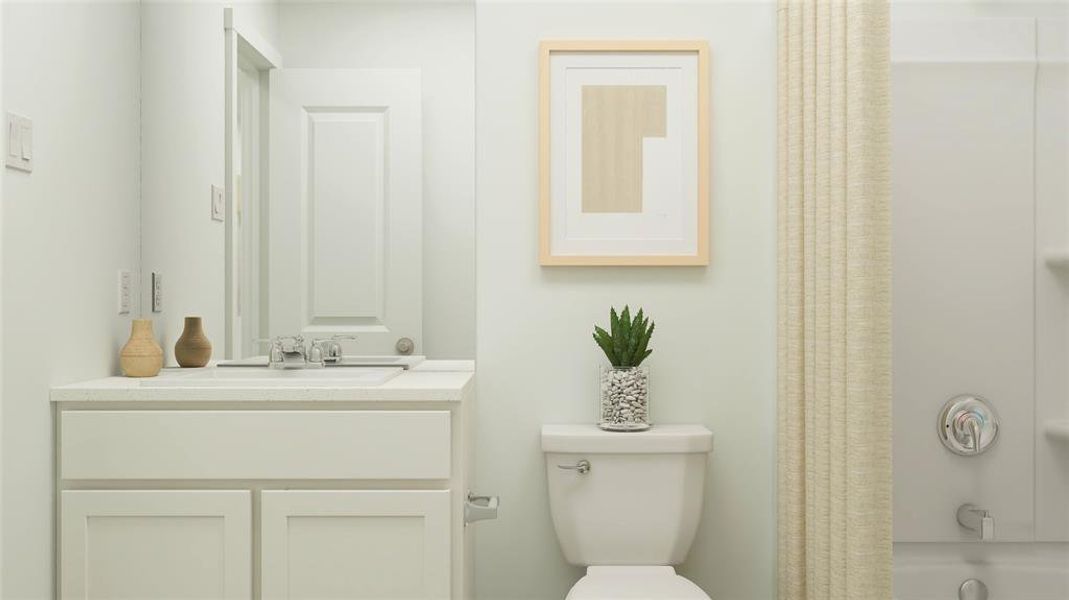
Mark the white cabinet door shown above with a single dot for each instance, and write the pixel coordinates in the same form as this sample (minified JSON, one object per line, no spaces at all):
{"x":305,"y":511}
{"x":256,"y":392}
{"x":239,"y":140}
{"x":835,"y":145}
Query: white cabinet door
{"x":156,"y":544}
{"x":355,"y":544}
{"x":345,"y":209}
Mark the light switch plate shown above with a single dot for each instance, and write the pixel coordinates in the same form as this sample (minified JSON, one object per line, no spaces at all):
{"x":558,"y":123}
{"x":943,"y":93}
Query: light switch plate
{"x":124,"y":292}
{"x":19,"y":133}
{"x":218,"y":204}
{"x":157,"y":292}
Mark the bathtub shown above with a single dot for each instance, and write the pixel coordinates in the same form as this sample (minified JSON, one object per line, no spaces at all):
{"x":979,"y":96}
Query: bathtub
{"x":1011,"y":571}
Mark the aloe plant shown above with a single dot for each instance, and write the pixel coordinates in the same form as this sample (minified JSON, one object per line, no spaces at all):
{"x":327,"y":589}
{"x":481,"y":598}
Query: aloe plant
{"x":626,"y":344}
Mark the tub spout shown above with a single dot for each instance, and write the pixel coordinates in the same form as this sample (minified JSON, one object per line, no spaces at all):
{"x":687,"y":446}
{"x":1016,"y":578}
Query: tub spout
{"x":977,"y":519}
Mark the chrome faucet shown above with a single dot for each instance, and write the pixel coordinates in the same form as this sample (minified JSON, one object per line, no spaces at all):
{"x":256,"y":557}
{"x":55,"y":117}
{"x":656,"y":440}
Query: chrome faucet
{"x":287,"y":352}
{"x":977,"y":519}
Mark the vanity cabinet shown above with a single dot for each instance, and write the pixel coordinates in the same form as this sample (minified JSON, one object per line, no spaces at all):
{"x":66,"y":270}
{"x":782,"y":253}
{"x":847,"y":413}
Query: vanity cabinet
{"x":156,"y":544}
{"x":355,"y":544}
{"x":166,"y":498}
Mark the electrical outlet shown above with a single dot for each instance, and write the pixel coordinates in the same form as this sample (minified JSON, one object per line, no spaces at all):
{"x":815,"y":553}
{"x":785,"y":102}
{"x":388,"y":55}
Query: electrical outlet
{"x":218,"y":204}
{"x":124,"y":292}
{"x":157,"y":292}
{"x":19,"y":142}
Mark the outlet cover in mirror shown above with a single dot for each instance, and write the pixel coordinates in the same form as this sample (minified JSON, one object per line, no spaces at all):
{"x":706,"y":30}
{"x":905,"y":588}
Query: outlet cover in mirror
{"x":217,"y":203}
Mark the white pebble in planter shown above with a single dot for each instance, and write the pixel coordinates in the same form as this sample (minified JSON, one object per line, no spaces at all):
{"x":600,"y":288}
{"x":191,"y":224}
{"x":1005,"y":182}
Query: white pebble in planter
{"x":625,"y":399}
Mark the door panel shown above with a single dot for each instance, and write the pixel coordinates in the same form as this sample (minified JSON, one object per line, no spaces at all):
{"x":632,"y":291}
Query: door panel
{"x":345,"y":249}
{"x":156,"y":544}
{"x":356,"y":544}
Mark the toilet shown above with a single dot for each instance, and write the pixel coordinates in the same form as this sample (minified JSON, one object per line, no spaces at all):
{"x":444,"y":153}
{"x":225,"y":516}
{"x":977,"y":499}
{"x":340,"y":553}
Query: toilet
{"x":626,"y":506}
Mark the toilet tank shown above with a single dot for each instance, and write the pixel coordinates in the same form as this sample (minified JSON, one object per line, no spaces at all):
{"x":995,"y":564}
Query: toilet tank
{"x":641,"y":499}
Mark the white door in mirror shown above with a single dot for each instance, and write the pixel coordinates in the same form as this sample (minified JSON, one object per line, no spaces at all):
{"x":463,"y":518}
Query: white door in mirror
{"x":345,"y":238}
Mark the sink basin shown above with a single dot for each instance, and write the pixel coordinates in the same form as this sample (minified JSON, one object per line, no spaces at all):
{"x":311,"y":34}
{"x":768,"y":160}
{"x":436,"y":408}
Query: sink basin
{"x":264,"y":377}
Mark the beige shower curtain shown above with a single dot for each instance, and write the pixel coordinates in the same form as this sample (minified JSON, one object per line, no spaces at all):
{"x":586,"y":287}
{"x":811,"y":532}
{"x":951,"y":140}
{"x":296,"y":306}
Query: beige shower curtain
{"x":834,"y":301}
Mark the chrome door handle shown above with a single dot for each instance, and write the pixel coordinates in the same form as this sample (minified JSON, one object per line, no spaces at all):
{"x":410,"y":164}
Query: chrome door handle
{"x":583,"y":467}
{"x":480,"y":508}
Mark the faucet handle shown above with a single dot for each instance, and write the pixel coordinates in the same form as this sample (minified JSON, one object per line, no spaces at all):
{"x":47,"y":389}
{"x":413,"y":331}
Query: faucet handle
{"x":287,"y":352}
{"x":316,"y":355}
{"x":274,"y":355}
{"x":336,"y":352}
{"x":287,"y":343}
{"x":330,"y":349}
{"x":968,"y":425}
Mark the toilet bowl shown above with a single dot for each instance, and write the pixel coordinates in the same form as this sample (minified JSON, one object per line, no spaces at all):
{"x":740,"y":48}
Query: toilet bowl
{"x":626,"y":506}
{"x":620,"y":583}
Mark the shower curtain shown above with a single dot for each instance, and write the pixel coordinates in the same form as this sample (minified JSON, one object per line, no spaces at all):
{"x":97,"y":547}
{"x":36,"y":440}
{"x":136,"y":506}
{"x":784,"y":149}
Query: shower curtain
{"x":834,"y":339}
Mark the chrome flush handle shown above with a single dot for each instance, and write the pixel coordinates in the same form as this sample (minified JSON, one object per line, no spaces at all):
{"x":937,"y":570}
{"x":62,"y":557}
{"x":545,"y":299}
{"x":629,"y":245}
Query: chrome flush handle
{"x":582,"y":467}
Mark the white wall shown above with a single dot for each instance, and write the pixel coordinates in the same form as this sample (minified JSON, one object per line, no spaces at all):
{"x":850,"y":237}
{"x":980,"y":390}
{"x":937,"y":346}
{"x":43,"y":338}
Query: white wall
{"x":439,"y":39}
{"x":980,"y":148}
{"x":182,"y":156}
{"x":68,"y":227}
{"x":1052,"y":291}
{"x":714,"y":358}
{"x":963,"y":247}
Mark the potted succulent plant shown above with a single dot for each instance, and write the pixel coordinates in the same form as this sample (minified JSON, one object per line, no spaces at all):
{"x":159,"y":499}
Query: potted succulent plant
{"x":624,"y":384}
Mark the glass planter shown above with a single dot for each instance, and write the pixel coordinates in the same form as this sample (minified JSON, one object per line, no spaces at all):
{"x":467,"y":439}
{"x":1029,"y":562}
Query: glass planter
{"x":624,"y":398}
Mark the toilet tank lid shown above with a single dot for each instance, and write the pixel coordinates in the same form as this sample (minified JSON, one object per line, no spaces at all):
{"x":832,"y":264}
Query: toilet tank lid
{"x":658,"y":439}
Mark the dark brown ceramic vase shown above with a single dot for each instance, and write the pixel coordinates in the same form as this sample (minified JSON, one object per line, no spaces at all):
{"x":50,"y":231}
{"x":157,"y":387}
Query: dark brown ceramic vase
{"x":193,"y":348}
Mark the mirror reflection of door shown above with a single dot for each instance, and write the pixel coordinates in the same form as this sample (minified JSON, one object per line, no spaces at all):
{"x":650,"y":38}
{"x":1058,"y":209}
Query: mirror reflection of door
{"x":334,"y":246}
{"x":248,"y":321}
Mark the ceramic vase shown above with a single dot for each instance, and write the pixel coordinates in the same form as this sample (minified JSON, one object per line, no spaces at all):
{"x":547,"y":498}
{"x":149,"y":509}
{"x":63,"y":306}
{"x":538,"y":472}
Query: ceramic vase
{"x":141,"y":356}
{"x":193,"y":349}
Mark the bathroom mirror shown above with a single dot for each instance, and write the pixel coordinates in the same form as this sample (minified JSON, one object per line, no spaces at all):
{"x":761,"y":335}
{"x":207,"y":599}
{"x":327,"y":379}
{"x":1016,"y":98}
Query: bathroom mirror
{"x":341,"y":176}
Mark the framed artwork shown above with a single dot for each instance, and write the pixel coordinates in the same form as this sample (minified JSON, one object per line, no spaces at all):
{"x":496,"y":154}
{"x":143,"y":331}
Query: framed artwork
{"x":624,"y":153}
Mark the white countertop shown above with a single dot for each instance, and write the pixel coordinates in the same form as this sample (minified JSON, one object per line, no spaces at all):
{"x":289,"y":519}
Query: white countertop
{"x":429,"y":383}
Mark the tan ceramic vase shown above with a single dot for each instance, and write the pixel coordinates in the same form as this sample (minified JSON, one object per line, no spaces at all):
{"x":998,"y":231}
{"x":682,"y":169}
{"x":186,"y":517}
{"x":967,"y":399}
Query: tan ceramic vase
{"x":193,"y":348}
{"x":141,"y":356}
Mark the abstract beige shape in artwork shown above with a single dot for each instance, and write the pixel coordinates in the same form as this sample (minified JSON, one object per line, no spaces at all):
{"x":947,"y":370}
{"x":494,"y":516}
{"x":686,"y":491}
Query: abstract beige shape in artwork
{"x":615,"y":120}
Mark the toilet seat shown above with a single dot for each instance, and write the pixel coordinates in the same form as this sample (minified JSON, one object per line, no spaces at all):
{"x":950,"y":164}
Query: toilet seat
{"x":647,"y":583}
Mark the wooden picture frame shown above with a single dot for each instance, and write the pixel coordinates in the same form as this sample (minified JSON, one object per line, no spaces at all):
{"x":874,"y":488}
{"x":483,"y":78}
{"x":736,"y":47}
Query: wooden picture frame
{"x":616,"y":186}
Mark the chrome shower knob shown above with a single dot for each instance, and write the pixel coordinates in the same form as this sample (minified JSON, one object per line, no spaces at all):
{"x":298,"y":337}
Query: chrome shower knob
{"x":968,"y":425}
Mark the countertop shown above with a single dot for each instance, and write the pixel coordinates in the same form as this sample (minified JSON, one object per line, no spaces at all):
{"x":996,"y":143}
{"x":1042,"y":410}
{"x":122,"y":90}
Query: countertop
{"x":449,"y":381}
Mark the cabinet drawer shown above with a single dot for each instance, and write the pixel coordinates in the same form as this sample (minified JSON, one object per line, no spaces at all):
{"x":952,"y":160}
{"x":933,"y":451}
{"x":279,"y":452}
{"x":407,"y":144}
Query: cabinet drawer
{"x":246,"y":444}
